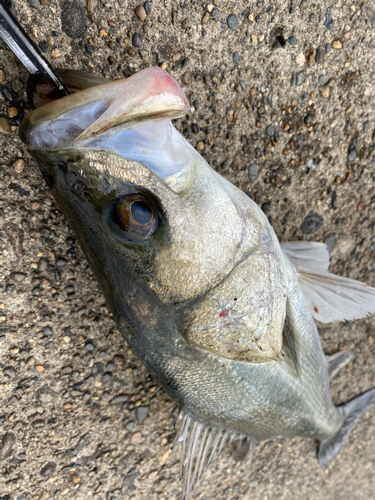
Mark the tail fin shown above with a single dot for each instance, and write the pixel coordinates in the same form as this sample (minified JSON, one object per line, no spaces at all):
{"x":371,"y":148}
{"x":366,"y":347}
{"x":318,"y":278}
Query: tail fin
{"x":352,"y":412}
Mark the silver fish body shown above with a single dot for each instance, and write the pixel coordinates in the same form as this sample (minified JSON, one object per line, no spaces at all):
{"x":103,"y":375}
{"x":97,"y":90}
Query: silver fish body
{"x":191,"y":269}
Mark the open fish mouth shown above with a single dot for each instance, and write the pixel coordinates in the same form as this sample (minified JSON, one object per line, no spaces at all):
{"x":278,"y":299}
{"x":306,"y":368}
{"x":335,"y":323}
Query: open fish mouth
{"x":131,"y":118}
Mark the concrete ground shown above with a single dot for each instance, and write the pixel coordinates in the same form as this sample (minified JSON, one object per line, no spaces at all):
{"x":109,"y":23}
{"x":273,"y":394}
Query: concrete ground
{"x":282,"y":96}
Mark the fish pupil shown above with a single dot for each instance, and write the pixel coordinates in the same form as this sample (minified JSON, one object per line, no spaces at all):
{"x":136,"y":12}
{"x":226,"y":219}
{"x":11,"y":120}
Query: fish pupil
{"x":141,"y":212}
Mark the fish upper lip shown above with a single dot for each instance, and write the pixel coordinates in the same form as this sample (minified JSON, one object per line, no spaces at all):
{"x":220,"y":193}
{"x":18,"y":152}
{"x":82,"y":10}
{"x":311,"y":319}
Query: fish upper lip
{"x":147,"y":94}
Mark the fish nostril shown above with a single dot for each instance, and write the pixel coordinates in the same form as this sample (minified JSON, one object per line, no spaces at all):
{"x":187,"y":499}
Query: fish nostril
{"x":78,"y":186}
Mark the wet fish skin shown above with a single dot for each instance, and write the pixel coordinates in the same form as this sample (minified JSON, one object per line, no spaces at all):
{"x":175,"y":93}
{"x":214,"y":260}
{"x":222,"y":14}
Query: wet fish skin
{"x":210,"y":304}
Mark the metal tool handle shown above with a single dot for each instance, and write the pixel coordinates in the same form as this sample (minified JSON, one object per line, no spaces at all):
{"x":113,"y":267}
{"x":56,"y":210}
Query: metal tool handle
{"x":27,"y":52}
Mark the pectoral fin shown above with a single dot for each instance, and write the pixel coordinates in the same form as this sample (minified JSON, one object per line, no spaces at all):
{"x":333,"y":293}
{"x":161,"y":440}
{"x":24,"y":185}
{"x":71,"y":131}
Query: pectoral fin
{"x":334,"y":298}
{"x":291,"y":345}
{"x":329,"y":297}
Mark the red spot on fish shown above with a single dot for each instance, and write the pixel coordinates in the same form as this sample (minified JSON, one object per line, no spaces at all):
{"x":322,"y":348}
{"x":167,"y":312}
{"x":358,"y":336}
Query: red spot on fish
{"x":316,"y":309}
{"x":224,"y":313}
{"x":228,"y":324}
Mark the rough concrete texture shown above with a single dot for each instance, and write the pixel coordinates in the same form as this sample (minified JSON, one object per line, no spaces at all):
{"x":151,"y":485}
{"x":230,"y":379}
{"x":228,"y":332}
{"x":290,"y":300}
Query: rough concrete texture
{"x":287,"y":98}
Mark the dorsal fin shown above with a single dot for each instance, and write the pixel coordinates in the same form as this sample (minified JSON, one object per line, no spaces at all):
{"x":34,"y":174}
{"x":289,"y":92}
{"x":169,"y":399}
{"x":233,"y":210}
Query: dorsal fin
{"x":307,"y":254}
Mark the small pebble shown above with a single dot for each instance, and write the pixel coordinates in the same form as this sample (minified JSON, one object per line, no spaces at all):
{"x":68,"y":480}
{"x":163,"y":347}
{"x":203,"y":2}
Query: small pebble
{"x":253,"y":172}
{"x":17,"y":85}
{"x":136,"y":438}
{"x":270,"y":131}
{"x":47,"y":331}
{"x":137,"y":40}
{"x":328,"y":22}
{"x":301,"y":59}
{"x":205,"y":18}
{"x":187,"y":23}
{"x":4,"y":126}
{"x":292,"y":40}
{"x":18,"y":165}
{"x":32,"y":418}
{"x":30,"y":362}
{"x":186,"y":79}
{"x":73,"y":20}
{"x":232,"y":21}
{"x":330,"y":242}
{"x":200,"y":146}
{"x":97,"y":368}
{"x":118,"y":359}
{"x":9,"y":372}
{"x":89,"y":346}
{"x":34,"y":3}
{"x":140,"y":12}
{"x":265,"y":207}
{"x":236,"y":57}
{"x":300,"y":78}
{"x":6,"y":446}
{"x":312,"y":223}
{"x":48,"y":469}
{"x":336,"y":44}
{"x":120,"y":399}
{"x":19,"y":277}
{"x":2,"y":76}
{"x":352,"y":155}
{"x":141,"y":412}
{"x":6,"y":93}
{"x":91,"y":5}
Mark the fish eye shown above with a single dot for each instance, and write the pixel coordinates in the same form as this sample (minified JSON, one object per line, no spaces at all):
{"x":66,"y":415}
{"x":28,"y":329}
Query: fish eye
{"x":137,"y":216}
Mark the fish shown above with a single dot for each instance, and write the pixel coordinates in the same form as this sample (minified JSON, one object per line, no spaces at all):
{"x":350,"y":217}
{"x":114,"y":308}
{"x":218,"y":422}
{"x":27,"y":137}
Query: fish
{"x":220,"y":312}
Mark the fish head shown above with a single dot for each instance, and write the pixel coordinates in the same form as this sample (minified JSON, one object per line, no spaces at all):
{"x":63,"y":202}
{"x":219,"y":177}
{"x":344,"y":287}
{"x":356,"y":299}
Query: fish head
{"x":189,"y":264}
